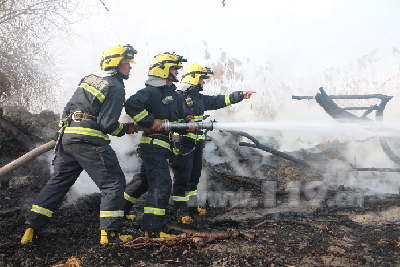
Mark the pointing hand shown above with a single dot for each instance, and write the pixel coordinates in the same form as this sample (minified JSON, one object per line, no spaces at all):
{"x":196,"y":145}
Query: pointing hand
{"x":247,"y":94}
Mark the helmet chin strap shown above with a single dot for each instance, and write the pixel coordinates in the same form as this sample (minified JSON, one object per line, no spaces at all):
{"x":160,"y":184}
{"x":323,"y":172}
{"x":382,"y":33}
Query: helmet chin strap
{"x":173,"y":78}
{"x":199,"y":87}
{"x":123,"y":76}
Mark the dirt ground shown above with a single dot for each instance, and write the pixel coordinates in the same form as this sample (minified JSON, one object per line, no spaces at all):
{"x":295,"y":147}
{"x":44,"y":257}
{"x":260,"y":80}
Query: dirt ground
{"x":367,"y":236}
{"x":248,"y":224}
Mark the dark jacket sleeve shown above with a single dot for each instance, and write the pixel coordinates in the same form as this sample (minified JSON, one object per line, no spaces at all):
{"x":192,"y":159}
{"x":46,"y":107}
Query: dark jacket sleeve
{"x":220,"y":101}
{"x":135,"y":107}
{"x":110,"y":113}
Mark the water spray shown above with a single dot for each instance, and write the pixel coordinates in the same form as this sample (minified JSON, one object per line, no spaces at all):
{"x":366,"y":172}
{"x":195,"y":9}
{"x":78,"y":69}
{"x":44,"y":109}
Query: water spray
{"x":376,"y":129}
{"x":307,"y":126}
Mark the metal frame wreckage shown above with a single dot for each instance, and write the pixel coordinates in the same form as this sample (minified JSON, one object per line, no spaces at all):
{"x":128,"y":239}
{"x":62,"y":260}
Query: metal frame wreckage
{"x":342,"y":115}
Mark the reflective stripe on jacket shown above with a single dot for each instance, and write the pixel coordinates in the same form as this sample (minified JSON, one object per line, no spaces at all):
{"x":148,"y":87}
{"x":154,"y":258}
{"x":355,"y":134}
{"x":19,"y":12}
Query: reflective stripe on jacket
{"x":100,"y":95}
{"x":149,"y":104}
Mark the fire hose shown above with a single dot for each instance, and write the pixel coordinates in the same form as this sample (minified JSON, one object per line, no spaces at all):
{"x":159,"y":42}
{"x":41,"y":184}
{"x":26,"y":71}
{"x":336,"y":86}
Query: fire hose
{"x":166,"y":126}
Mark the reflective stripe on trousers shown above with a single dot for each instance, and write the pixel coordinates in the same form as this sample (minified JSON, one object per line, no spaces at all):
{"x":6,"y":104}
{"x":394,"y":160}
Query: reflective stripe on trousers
{"x":43,"y":211}
{"x":111,"y":213}
{"x":192,"y":193}
{"x":179,"y":198}
{"x":129,"y":198}
{"x":155,"y":162}
{"x":101,"y":164}
{"x":154,"y":211}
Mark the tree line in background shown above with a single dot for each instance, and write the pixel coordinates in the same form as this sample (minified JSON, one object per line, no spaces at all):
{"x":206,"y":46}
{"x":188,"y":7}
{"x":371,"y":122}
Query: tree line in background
{"x":28,"y":73}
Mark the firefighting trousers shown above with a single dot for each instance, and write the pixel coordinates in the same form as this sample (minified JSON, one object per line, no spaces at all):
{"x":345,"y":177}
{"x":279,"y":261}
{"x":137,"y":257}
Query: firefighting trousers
{"x":156,"y":163}
{"x":101,"y":164}
{"x":187,"y":168}
{"x":135,"y":189}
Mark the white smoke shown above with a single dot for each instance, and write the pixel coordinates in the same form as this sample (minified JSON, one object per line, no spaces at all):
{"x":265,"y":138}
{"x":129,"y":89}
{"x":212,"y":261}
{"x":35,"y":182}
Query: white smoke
{"x":302,"y":124}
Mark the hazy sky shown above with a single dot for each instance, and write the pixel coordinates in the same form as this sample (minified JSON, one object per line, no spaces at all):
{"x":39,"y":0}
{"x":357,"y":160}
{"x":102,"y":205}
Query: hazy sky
{"x":298,"y":40}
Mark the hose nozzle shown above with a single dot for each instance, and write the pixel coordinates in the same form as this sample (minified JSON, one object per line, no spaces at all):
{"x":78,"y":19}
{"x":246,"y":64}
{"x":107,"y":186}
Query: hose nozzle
{"x":171,"y":126}
{"x":174,"y":126}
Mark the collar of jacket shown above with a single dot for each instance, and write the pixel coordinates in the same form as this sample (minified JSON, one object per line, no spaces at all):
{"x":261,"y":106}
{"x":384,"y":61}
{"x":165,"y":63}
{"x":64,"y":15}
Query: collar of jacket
{"x":109,"y":73}
{"x":104,"y":73}
{"x":122,"y":76}
{"x":156,"y":81}
{"x":190,"y":89}
{"x":185,"y":87}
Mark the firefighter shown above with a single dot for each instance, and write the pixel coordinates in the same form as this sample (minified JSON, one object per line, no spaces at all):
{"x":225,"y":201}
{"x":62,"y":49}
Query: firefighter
{"x":150,"y":106}
{"x":187,"y":164}
{"x":83,"y":144}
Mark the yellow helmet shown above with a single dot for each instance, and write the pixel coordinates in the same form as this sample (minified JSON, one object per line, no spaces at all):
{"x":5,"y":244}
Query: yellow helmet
{"x":115,"y":55}
{"x":163,"y":62}
{"x":194,"y":72}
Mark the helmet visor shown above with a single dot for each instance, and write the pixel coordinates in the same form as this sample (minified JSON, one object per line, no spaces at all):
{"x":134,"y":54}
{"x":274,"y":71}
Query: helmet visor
{"x":176,"y":67}
{"x":128,"y":61}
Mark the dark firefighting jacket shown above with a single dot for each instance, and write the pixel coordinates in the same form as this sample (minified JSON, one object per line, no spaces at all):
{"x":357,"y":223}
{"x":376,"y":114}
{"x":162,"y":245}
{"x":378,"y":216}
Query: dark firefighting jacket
{"x":197,"y":103}
{"x":150,"y":103}
{"x":95,"y":108}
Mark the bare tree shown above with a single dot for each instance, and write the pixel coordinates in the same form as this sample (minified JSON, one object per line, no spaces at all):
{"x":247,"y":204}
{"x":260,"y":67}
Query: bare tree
{"x":27,"y":27}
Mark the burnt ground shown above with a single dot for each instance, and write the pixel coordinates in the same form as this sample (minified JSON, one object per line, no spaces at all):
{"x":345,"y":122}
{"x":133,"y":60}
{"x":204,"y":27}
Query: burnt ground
{"x":291,"y":230}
